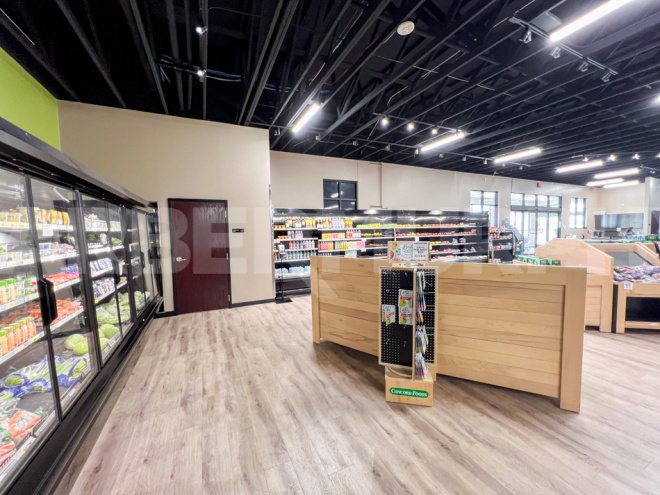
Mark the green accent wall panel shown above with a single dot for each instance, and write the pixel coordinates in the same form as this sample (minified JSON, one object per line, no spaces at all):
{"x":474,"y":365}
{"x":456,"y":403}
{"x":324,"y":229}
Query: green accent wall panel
{"x":26,"y":103}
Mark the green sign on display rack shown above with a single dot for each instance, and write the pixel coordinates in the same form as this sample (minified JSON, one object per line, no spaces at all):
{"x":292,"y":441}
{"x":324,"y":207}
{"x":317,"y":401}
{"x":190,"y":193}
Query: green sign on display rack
{"x":409,"y":392}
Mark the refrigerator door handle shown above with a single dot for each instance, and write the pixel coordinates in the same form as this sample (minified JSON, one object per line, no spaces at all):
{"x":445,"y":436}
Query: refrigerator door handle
{"x":116,"y":268}
{"x":142,"y":259}
{"x":48,"y":301}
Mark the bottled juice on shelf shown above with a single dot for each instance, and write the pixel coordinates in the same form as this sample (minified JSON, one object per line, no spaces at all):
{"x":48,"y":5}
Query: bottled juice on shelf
{"x":3,"y":342}
{"x":4,"y":296}
{"x":11,"y":289}
{"x":11,"y":342}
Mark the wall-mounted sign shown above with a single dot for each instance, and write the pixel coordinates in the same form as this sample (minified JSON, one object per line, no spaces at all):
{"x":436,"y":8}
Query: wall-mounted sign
{"x":237,"y":231}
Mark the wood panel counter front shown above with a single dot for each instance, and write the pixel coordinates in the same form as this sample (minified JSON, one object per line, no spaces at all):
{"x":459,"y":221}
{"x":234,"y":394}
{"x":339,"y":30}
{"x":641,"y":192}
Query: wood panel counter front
{"x":515,"y":326}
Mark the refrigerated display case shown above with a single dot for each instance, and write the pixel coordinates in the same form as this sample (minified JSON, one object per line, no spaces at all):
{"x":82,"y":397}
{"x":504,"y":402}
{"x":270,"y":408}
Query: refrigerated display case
{"x":67,"y":313}
{"x":148,"y":274}
{"x":104,"y":241}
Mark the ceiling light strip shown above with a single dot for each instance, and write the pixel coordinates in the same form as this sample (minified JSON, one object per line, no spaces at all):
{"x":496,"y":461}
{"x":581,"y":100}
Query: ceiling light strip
{"x":441,"y":142}
{"x":579,"y":166}
{"x":617,"y":173}
{"x":519,"y":154}
{"x":598,"y":183}
{"x":622,"y":184}
{"x":588,"y":18}
{"x":309,"y":113}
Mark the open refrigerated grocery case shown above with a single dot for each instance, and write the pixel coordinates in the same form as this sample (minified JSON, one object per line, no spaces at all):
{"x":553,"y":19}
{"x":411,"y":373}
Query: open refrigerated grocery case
{"x":62,"y":260}
{"x":299,"y":234}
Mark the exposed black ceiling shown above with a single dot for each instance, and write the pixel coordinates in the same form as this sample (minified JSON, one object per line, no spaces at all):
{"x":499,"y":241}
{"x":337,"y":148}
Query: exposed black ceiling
{"x":468,"y":65}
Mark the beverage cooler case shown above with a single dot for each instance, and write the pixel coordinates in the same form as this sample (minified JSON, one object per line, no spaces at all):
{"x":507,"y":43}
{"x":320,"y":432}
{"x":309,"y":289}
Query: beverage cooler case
{"x":75,"y":284}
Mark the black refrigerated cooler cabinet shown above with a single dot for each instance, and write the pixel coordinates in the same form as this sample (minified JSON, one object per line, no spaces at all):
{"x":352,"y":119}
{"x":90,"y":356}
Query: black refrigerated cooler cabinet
{"x":33,"y":161}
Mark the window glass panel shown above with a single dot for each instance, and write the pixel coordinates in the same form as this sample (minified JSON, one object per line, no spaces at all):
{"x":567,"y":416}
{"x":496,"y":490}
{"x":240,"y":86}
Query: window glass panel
{"x":348,"y":205}
{"x":572,"y":221}
{"x":573,"y":205}
{"x":542,"y":200}
{"x":555,"y":202}
{"x":330,"y":189}
{"x":516,"y":199}
{"x":579,"y":223}
{"x":490,"y":198}
{"x":347,"y":190}
{"x":581,"y":203}
{"x":492,"y":215}
{"x":475,"y":208}
{"x":475,"y":198}
{"x":328,"y":203}
{"x":530,"y":199}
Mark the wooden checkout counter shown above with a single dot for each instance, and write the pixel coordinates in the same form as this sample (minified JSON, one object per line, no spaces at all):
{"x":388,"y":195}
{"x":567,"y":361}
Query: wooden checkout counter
{"x":515,"y":326}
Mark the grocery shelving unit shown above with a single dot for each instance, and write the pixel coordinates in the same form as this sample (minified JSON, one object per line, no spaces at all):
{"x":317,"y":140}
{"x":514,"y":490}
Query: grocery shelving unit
{"x":502,"y":246}
{"x":453,"y":237}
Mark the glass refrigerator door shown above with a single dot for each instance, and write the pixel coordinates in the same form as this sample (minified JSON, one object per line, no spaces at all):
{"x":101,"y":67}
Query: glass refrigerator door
{"x":59,"y":252}
{"x":136,"y":262}
{"x":27,"y":397}
{"x":101,"y":233}
{"x":117,"y":240}
{"x":146,"y":261}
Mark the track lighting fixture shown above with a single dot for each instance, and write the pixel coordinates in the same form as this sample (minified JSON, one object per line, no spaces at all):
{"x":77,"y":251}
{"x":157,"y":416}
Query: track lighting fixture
{"x":305,"y":117}
{"x":355,"y":143}
{"x":485,"y":162}
{"x":201,"y":30}
{"x":612,"y":158}
{"x":518,"y":154}
{"x":520,"y":168}
{"x":583,"y":67}
{"x":606,"y":78}
{"x":417,"y":151}
{"x":201,"y":72}
{"x":528,"y":37}
{"x":410,"y":126}
{"x":585,"y":159}
{"x":588,"y":18}
{"x":441,"y":155}
{"x":465,"y":158}
{"x":635,"y":156}
{"x":384,"y":121}
{"x":434,"y":131}
{"x":555,"y":52}
{"x":388,"y":147}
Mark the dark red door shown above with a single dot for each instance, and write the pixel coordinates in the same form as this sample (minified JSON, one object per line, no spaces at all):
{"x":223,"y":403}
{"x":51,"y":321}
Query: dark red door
{"x":200,"y":255}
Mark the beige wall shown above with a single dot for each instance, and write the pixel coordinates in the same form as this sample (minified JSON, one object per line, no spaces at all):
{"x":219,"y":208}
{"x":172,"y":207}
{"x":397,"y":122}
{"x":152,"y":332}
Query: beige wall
{"x":297,"y":182}
{"x":160,"y":157}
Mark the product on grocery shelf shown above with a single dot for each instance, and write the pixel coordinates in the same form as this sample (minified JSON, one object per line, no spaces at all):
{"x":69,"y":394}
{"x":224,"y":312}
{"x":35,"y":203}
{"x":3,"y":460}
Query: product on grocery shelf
{"x":642,"y":274}
{"x":405,"y":307}
{"x":26,"y":375}
{"x":21,"y":423}
{"x":93,"y":222}
{"x":70,"y":370}
{"x":388,"y":315}
{"x":103,"y":342}
{"x":72,"y":340}
{"x":47,"y":249}
{"x":81,"y":348}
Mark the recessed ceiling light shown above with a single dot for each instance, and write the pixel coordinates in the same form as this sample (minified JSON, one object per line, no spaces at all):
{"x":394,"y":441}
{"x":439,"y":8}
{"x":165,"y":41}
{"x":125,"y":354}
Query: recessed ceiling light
{"x":617,"y":173}
{"x":622,"y":184}
{"x":519,"y":154}
{"x":588,"y":18}
{"x":579,"y":166}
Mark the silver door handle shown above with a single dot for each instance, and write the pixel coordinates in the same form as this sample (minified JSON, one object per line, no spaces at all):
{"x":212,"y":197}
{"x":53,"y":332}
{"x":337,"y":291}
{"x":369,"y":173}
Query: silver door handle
{"x":179,"y":259}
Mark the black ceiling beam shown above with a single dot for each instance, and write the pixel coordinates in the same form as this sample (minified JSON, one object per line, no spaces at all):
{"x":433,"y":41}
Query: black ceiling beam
{"x":186,"y":9}
{"x":418,"y":55}
{"x":317,"y":46}
{"x":39,"y":56}
{"x":174,"y":43}
{"x":336,"y":58}
{"x":204,"y":53}
{"x":283,"y":27}
{"x":77,"y":28}
{"x":135,"y":20}
{"x":262,"y":54}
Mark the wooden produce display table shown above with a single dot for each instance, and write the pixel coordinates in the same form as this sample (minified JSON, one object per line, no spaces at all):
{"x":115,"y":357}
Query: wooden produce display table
{"x":600,"y":276}
{"x":610,"y":305}
{"x":515,"y":326}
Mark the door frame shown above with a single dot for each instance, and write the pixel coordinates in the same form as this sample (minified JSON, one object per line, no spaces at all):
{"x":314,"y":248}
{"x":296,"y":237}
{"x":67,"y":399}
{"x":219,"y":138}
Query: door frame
{"x":175,"y":312}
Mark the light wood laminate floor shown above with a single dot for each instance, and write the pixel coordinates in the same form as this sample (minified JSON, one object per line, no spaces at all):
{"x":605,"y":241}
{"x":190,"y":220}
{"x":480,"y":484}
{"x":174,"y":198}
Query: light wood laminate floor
{"x":240,"y":401}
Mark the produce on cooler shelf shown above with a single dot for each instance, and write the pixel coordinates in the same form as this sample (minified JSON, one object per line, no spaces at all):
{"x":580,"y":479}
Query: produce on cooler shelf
{"x":108,"y":330}
{"x":103,"y":286}
{"x":641,"y":274}
{"x":12,"y":289}
{"x":72,"y":340}
{"x":93,"y":222}
{"x":70,"y":370}
{"x":81,"y":348}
